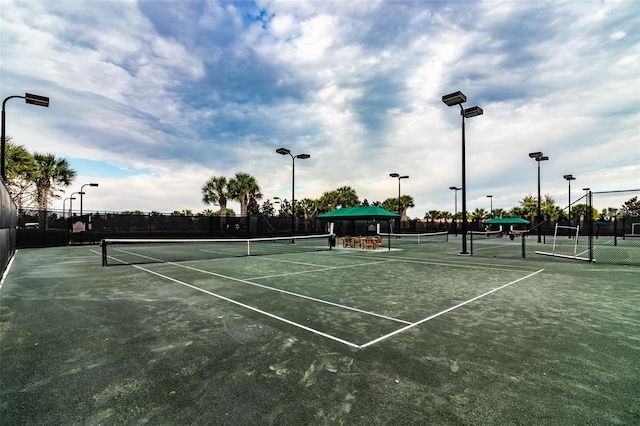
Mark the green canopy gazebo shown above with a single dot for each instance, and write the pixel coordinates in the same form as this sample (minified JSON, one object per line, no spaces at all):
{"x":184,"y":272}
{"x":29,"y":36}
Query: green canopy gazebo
{"x":507,"y":221}
{"x":361,"y":213}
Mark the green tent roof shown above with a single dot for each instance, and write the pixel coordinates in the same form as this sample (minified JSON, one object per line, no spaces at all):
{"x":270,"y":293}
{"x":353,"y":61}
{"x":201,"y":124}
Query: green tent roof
{"x":359,"y":213}
{"x":507,"y":221}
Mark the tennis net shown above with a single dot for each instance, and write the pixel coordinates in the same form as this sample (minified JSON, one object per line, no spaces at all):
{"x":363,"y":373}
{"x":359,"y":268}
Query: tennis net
{"x":421,"y":238}
{"x":137,"y":251}
{"x":483,"y":235}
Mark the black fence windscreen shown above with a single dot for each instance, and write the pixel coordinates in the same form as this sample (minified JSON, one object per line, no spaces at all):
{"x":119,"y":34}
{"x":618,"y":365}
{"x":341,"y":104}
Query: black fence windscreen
{"x":8,"y":222}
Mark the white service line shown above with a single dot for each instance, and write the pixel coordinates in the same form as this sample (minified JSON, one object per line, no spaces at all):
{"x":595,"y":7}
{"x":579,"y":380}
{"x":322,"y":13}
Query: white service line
{"x":290,"y":293}
{"x":322,"y":268}
{"x":403,"y":329}
{"x":295,"y":324}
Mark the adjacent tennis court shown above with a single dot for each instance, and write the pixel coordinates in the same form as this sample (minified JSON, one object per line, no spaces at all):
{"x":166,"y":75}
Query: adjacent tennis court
{"x":300,"y":334}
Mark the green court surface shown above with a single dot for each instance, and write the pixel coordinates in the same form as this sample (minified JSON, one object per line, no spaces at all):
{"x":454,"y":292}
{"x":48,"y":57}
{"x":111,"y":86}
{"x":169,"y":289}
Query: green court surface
{"x":416,"y":335}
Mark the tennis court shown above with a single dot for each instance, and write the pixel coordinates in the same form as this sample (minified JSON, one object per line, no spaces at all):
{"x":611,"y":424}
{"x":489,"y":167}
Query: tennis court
{"x":413,"y":335}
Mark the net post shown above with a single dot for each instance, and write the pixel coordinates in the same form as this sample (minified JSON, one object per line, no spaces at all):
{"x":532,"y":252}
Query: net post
{"x":590,"y":222}
{"x":470,"y":233}
{"x":103,"y":245}
{"x":523,"y":236}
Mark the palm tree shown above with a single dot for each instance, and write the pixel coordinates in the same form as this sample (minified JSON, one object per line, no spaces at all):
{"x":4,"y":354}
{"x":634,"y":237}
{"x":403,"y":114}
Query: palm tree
{"x":216,"y":190}
{"x":20,"y":172}
{"x":50,"y":175}
{"x":243,"y":186}
{"x":406,"y":201}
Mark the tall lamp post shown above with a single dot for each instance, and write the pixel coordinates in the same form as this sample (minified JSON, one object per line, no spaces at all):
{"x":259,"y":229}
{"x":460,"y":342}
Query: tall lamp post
{"x":569,"y":178}
{"x":490,"y":197}
{"x":82,"y":193}
{"x":452,"y":99}
{"x":64,"y":202}
{"x":285,"y":151}
{"x":29,"y":98}
{"x":397,"y":175}
{"x":539,"y":156}
{"x":455,"y":212}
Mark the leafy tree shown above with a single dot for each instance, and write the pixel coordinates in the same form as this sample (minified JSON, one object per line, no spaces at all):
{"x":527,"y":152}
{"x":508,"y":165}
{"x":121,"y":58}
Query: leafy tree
{"x":243,"y":187}
{"x":50,"y":175}
{"x":479,"y":214}
{"x":267,"y":209}
{"x":631,"y":208}
{"x":183,"y":212}
{"x":499,"y":212}
{"x":253,"y":208}
{"x":581,"y":210}
{"x":20,"y":168}
{"x":345,"y":196}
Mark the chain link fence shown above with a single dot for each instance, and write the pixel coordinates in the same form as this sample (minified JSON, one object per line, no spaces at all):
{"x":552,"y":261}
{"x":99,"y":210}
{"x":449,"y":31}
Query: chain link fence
{"x":614,"y":229}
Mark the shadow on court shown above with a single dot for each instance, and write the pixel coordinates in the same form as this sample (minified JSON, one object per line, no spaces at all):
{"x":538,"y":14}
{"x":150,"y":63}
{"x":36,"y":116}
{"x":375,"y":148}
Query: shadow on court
{"x":209,"y":343}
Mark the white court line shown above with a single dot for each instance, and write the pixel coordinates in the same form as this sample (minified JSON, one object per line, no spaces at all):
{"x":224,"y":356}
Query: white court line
{"x":457,"y":264}
{"x":325,"y":268}
{"x":337,"y":339}
{"x":6,"y":271}
{"x":386,"y":336}
{"x":295,"y":324}
{"x":290,"y":293}
{"x":302,"y":296}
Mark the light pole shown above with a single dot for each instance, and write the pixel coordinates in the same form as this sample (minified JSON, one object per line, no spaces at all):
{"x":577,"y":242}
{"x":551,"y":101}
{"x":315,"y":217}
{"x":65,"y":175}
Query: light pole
{"x":64,"y":202}
{"x":276,"y":200}
{"x":539,"y":156}
{"x":30,"y":99}
{"x":452,"y":99}
{"x":71,"y":202}
{"x":82,"y":193}
{"x":490,"y":197}
{"x":397,"y":175}
{"x":569,"y":178}
{"x":455,"y":212}
{"x":285,"y":151}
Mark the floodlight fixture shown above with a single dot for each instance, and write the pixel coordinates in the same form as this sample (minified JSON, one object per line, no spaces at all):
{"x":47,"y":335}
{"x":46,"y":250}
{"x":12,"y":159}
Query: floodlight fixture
{"x":29,"y":98}
{"x":455,"y":98}
{"x":472,"y":112}
{"x":283,"y":151}
{"x":536,"y":154}
{"x":32,"y":99}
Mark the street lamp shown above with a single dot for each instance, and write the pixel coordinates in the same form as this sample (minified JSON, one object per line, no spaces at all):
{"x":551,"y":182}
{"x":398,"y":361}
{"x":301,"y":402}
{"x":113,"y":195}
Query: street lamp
{"x":569,"y":178}
{"x":71,"y":202}
{"x":276,"y":200}
{"x":397,"y":175}
{"x":64,"y":202}
{"x":452,"y":99}
{"x":455,"y":212}
{"x":539,"y":156}
{"x":490,"y":197}
{"x":285,"y":151}
{"x":82,"y":193}
{"x":30,"y":99}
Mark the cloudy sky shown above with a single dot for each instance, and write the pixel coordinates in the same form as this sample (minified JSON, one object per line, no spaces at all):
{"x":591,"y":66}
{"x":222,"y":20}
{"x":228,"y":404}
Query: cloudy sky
{"x":152,"y":98}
